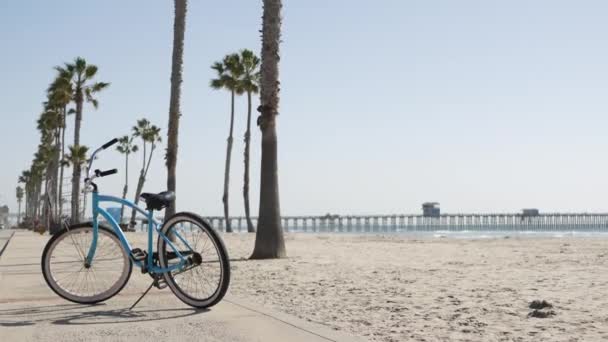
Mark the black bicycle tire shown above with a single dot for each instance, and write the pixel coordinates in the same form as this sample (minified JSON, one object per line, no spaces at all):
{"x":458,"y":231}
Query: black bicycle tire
{"x":223,"y":253}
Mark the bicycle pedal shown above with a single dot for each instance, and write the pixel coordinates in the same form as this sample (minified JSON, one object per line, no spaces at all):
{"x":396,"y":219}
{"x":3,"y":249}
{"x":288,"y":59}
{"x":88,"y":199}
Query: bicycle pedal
{"x":160,"y":283}
{"x":138,"y":255}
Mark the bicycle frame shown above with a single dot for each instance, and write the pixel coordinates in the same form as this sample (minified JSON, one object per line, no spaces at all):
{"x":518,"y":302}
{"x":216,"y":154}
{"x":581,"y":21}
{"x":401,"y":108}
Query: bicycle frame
{"x":153,"y":225}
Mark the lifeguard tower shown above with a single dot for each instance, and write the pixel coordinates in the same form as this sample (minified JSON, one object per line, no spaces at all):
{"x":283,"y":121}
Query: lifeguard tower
{"x":431,"y":209}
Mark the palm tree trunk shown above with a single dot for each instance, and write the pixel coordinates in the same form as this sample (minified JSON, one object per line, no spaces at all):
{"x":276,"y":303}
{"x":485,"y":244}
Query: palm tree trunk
{"x":76,"y":168}
{"x":49,"y":192}
{"x":75,"y":193}
{"x":33,"y":201}
{"x":27,"y":200}
{"x":269,"y":241}
{"x":56,"y":156}
{"x":227,"y":168}
{"x":140,"y":185}
{"x":38,"y":196}
{"x":19,"y":213}
{"x":179,"y":29}
{"x":36,"y":200}
{"x":60,"y":191}
{"x":152,"y":148}
{"x":126,"y":188}
{"x":250,"y":227}
{"x":30,"y":201}
{"x":48,"y":184}
{"x":142,"y":178}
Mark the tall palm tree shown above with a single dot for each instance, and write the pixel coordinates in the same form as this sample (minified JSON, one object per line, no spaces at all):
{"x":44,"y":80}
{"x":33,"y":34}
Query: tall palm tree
{"x":149,"y":134}
{"x":34,"y":179}
{"x":30,"y":179}
{"x":126,"y":147}
{"x":177,"y":61}
{"x":80,"y":75}
{"x":49,"y":125}
{"x":62,"y":160}
{"x":19,"y":194}
{"x":60,"y":95}
{"x":26,"y":178}
{"x":76,"y":158}
{"x":269,"y":242}
{"x":33,"y":189}
{"x":45,"y":158}
{"x":229,"y":72}
{"x":249,"y":82}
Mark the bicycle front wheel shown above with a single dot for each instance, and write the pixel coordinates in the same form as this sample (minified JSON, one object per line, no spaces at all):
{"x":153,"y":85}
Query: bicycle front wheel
{"x":64,"y":269}
{"x":205,"y":280}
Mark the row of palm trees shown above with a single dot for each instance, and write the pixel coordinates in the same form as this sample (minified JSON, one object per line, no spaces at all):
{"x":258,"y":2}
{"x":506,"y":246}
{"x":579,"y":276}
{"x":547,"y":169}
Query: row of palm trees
{"x":237,"y":73}
{"x":144,"y":130}
{"x":72,"y":87}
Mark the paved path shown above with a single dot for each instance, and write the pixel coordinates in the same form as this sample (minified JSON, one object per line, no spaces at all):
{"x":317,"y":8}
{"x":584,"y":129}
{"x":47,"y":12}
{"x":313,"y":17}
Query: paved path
{"x":5,"y":236}
{"x":29,"y":311}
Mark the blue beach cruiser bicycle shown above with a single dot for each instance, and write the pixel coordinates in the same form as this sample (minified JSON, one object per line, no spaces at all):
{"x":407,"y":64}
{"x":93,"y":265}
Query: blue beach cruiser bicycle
{"x":90,"y":262}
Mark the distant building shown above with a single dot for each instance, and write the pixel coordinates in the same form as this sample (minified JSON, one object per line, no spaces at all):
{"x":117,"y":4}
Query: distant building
{"x":431,"y":209}
{"x":530,"y":212}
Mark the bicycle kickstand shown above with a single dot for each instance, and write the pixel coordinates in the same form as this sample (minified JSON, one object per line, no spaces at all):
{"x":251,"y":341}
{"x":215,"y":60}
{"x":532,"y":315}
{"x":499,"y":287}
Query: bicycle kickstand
{"x":142,"y":296}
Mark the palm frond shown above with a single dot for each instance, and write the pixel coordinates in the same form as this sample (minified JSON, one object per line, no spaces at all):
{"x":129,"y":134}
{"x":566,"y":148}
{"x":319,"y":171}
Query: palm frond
{"x":80,"y":65}
{"x":126,"y":145}
{"x":90,"y":71}
{"x":219,"y":67}
{"x":89,"y":97}
{"x":99,"y":86}
{"x":216,"y":84}
{"x":69,"y":68}
{"x":77,"y":155}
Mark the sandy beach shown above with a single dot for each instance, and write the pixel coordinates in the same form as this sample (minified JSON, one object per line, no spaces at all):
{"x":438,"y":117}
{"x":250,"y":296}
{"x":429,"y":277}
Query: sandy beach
{"x":389,"y":288}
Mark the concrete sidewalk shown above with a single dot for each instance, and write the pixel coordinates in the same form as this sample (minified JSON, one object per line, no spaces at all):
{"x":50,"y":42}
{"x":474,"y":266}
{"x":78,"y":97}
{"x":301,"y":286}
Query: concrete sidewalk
{"x":30,"y":311}
{"x":5,"y":236}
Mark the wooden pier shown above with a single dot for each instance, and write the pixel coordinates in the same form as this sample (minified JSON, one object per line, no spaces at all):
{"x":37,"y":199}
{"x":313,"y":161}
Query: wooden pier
{"x":594,"y":222}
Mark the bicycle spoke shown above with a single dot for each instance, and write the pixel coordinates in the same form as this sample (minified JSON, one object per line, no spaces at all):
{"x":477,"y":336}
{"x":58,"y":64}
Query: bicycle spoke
{"x":80,"y":252}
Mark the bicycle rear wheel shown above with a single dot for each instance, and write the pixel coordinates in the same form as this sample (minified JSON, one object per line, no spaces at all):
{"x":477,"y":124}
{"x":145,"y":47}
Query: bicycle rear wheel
{"x":205,"y":281}
{"x":65,"y":272}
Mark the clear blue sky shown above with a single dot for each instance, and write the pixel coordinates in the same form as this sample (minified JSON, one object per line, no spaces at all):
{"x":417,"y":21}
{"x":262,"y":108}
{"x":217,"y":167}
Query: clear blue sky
{"x":480,"y":105}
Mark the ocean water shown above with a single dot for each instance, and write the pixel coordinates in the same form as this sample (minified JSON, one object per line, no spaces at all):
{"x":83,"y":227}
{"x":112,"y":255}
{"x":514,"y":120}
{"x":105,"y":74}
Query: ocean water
{"x":514,"y":234}
{"x":466,"y":234}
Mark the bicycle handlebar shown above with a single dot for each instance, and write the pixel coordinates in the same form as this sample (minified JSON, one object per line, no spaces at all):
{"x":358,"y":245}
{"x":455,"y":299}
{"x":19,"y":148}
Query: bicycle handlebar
{"x":105,"y":173}
{"x":97,"y":172}
{"x":109,"y":143}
